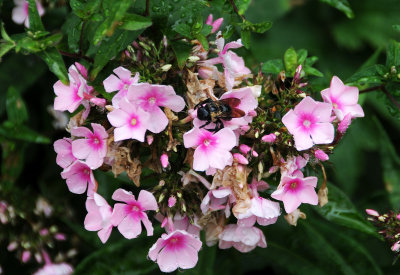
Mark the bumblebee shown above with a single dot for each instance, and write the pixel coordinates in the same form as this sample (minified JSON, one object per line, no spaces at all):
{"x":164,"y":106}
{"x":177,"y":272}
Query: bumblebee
{"x":216,"y":111}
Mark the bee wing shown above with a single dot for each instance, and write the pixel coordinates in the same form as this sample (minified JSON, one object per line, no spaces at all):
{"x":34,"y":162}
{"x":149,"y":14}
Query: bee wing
{"x":232,"y":101}
{"x":237,"y":113}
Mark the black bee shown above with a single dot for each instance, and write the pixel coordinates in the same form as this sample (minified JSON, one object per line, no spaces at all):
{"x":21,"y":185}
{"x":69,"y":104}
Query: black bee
{"x":216,"y":111}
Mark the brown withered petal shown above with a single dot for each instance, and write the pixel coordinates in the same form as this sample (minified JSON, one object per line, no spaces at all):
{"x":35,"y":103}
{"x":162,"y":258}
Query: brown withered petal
{"x":323,"y":196}
{"x":292,"y":218}
{"x":75,"y":121}
{"x":197,"y":90}
{"x":123,"y":162}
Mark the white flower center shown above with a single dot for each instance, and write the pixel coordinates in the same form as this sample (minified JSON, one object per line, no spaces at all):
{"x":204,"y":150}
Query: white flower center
{"x":334,"y":106}
{"x":152,"y":100}
{"x":133,"y":121}
{"x":96,"y":141}
{"x":135,"y":208}
{"x":86,"y":171}
{"x":306,"y":123}
{"x":206,"y":142}
{"x":126,"y":86}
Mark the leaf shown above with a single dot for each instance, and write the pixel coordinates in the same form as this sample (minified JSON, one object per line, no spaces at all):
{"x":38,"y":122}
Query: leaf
{"x":183,"y":29}
{"x":133,"y":22}
{"x":12,"y":164}
{"x":182,"y":51}
{"x":4,"y":34}
{"x":35,"y":23}
{"x":396,"y":28}
{"x":393,"y":54}
{"x":312,"y":71}
{"x":274,"y":66}
{"x":342,"y":5}
{"x":55,"y":62}
{"x":242,"y":5}
{"x":5,"y":47}
{"x":228,"y":31}
{"x":12,"y":131}
{"x":340,"y":210}
{"x":245,"y":34}
{"x":15,"y":106}
{"x":85,"y":9}
{"x":203,"y":40}
{"x":72,"y":28}
{"x":261,"y":27}
{"x":290,"y":61}
{"x":301,"y":56}
{"x":368,"y":75}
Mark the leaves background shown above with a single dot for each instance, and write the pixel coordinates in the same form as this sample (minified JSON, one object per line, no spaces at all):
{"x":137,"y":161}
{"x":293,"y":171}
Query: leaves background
{"x":364,"y":171}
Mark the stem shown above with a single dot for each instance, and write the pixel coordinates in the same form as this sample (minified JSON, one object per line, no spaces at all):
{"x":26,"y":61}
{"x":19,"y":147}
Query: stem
{"x":370,"y":89}
{"x":147,"y":11}
{"x":236,"y":9}
{"x":75,"y":55}
{"x":391,"y":97}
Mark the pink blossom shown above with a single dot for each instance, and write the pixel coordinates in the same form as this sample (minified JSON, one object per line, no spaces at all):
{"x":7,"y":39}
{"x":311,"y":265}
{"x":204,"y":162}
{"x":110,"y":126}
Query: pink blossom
{"x":256,"y":185}
{"x":93,"y":147}
{"x":344,"y":124}
{"x":218,"y":199}
{"x":244,"y":148}
{"x":20,"y":12}
{"x":396,"y":246}
{"x":372,"y":212}
{"x":212,"y":150}
{"x":164,"y":160}
{"x":321,"y":155}
{"x":181,"y":222}
{"x":294,"y":190}
{"x":240,"y":158}
{"x":343,"y":99}
{"x":79,"y":176}
{"x":26,"y":256}
{"x":127,"y":216}
{"x":131,"y":121}
{"x":243,"y":239}
{"x":309,"y":123}
{"x":151,"y":97}
{"x":254,"y":153}
{"x":178,"y":249}
{"x":55,"y":269}
{"x":293,"y":164}
{"x":63,"y":149}
{"x":120,"y":83}
{"x":149,"y":139}
{"x":98,"y":217}
{"x":214,"y":24}
{"x":269,"y":138}
{"x":171,"y":201}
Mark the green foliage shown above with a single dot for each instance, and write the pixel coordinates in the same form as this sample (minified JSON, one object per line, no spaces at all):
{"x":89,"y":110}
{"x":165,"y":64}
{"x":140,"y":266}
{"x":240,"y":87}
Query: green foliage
{"x":342,"y":5}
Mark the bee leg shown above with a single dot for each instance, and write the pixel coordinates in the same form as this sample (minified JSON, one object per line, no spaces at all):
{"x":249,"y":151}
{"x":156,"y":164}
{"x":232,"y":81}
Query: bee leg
{"x":218,"y":125}
{"x":208,"y":100}
{"x":205,"y":124}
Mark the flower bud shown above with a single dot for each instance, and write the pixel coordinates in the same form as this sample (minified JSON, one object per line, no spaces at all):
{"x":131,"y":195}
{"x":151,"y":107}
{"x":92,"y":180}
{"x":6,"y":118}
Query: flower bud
{"x":396,"y":247}
{"x":269,"y":138}
{"x":256,"y":90}
{"x":240,"y":158}
{"x":254,"y":153}
{"x":149,"y":139}
{"x":321,"y":155}
{"x":193,"y":58}
{"x":164,"y":160}
{"x":344,"y":124}
{"x":171,"y":201}
{"x":166,"y":67}
{"x":372,"y":212}
{"x":26,"y":255}
{"x":244,"y":148}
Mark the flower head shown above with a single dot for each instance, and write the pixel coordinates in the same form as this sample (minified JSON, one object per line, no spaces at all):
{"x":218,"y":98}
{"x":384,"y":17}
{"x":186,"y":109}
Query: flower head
{"x":243,"y":239}
{"x":93,"y":147}
{"x":178,"y":249}
{"x":309,"y":123}
{"x":129,"y":215}
{"x":343,"y":99}
{"x":20,"y":12}
{"x":63,"y":148}
{"x":98,"y":217}
{"x":218,"y":199}
{"x":79,"y":176}
{"x":212,"y":150}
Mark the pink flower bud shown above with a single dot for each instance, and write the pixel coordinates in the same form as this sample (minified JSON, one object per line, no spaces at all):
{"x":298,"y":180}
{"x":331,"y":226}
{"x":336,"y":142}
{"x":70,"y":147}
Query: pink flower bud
{"x":396,"y":247}
{"x":164,"y":160}
{"x":209,"y":19}
{"x":321,"y":155}
{"x":296,"y":78}
{"x":269,"y":138}
{"x":38,"y":258}
{"x":149,"y":139}
{"x":244,"y":148}
{"x":398,"y":217}
{"x":12,"y":246}
{"x":273,"y":169}
{"x":245,"y":128}
{"x":60,"y":237}
{"x":205,"y":72}
{"x":82,"y":70}
{"x":254,"y":153}
{"x":44,"y":232}
{"x":240,"y":158}
{"x":372,"y":212}
{"x":252,"y":113}
{"x":26,"y":255}
{"x":171,"y":201}
{"x":216,"y":24}
{"x":101,"y":102}
{"x":164,"y":222}
{"x":345,"y":123}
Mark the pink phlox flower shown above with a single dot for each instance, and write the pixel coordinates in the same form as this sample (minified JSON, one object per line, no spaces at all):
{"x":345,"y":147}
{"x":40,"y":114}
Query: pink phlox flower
{"x":181,"y":222}
{"x":151,"y":97}
{"x":218,"y":199}
{"x":92,"y":147}
{"x":214,"y":24}
{"x":79,"y":177}
{"x":309,"y":123}
{"x":293,"y":164}
{"x":258,"y":186}
{"x":212,"y":150}
{"x":129,"y":215}
{"x":98,"y":217}
{"x":52,"y":268}
{"x":177,"y":249}
{"x":244,"y":239}
{"x":343,"y":99}
{"x":63,"y":148}
{"x":119,"y":83}
{"x":295,"y":190}
{"x":70,"y":97}
{"x":131,"y":121}
{"x":20,"y":12}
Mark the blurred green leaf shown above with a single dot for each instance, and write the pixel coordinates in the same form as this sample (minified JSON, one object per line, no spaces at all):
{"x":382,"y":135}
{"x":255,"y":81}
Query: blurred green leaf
{"x":85,"y":8}
{"x":396,"y":28}
{"x":368,"y":75}
{"x":72,"y":28}
{"x":312,"y":71}
{"x":35,"y":23}
{"x":245,"y":35}
{"x":393,"y":54}
{"x":4,"y":34}
{"x":183,"y":29}
{"x":5,"y":47}
{"x":290,"y":61}
{"x":205,"y":265}
{"x":182,"y":51}
{"x":12,"y":163}
{"x":342,"y":5}
{"x":301,"y":56}
{"x":9,"y":130}
{"x":55,"y":62}
{"x":203,"y":40}
{"x":341,"y":210}
{"x":273,"y":66}
{"x":133,"y":22}
{"x":15,"y":106}
{"x":33,"y":45}
{"x":242,"y":5}
{"x":228,"y":31}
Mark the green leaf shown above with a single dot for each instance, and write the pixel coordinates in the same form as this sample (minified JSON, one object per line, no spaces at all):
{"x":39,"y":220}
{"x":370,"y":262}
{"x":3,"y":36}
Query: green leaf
{"x":228,"y":31}
{"x":245,"y":34}
{"x":274,"y":66}
{"x":342,"y":5}
{"x":35,"y":23}
{"x":203,"y":40}
{"x":393,"y":54}
{"x":205,"y":265}
{"x":110,"y":47}
{"x":183,"y":29}
{"x":206,"y":30}
{"x":312,"y":71}
{"x":290,"y":61}
{"x":396,"y":28}
{"x":55,"y":62}
{"x":133,"y":22}
{"x":15,"y":106}
{"x":242,"y":5}
{"x":340,"y":210}
{"x":5,"y":47}
{"x":301,"y":56}
{"x":12,"y":163}
{"x":9,"y":130}
{"x":368,"y":75}
{"x":72,"y":28}
{"x":182,"y":51}
{"x":4,"y":34}
{"x":261,"y":27}
{"x":85,"y":8}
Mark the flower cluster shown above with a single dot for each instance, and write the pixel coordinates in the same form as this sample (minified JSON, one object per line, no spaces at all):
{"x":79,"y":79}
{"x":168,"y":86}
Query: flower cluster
{"x":210,"y":146}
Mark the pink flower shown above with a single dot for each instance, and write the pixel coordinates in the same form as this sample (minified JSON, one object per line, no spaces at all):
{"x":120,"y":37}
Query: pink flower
{"x":214,"y":24}
{"x":98,"y":217}
{"x":343,"y":99}
{"x":244,"y":148}
{"x":240,"y":158}
{"x":120,"y":83}
{"x":131,"y":122}
{"x":218,"y":199}
{"x":55,"y":269}
{"x":309,"y":123}
{"x":243,"y":239}
{"x":294,"y":190}
{"x":164,"y":160}
{"x":178,"y":249}
{"x":344,"y":124}
{"x":269,"y":138}
{"x":151,"y":97}
{"x":93,"y":147}
{"x":293,"y":164}
{"x":396,"y":247}
{"x":264,"y":211}
{"x":171,"y":201}
{"x":321,"y":155}
{"x":372,"y":212}
{"x":70,"y":97}
{"x":26,"y":256}
{"x":63,"y":149}
{"x":212,"y":150}
{"x":20,"y":12}
{"x":129,"y":214}
{"x":78,"y":176}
